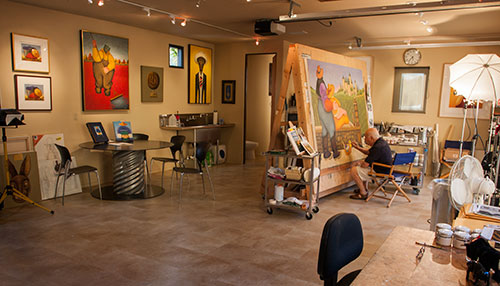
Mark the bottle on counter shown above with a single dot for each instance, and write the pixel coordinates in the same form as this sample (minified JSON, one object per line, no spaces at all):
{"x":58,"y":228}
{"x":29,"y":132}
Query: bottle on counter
{"x":216,"y":118}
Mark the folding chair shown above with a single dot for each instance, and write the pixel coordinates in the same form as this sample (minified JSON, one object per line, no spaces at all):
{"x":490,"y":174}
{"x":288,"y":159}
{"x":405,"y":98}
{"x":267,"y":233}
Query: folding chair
{"x":396,"y":177}
{"x":450,"y":154}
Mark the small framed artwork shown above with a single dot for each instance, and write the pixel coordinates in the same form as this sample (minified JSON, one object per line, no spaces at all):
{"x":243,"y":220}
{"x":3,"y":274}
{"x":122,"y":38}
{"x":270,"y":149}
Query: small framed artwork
{"x":199,"y":75}
{"x":175,"y":56}
{"x":30,"y":54}
{"x":97,"y":132}
{"x":33,"y":93}
{"x":228,"y":91}
{"x":452,"y":104}
{"x":151,"y":84}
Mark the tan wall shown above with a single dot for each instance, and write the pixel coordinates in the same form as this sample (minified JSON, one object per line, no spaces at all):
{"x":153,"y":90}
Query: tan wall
{"x":258,"y":101}
{"x":383,"y":83}
{"x":230,"y":65}
{"x":63,"y":31}
{"x":384,"y":62}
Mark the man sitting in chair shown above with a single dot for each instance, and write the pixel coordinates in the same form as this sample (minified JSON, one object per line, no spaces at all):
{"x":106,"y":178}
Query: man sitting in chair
{"x":379,"y":152}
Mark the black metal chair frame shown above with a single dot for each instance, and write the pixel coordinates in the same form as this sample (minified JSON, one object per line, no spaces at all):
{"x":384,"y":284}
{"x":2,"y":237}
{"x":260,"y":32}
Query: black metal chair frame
{"x":201,"y":153}
{"x":66,"y":171}
{"x":177,"y":140}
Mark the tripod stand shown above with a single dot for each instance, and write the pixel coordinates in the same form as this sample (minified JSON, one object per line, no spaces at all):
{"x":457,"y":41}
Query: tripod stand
{"x":10,"y":190}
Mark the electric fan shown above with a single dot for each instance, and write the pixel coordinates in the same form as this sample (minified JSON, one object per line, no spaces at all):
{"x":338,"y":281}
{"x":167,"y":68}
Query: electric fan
{"x":467,"y":182}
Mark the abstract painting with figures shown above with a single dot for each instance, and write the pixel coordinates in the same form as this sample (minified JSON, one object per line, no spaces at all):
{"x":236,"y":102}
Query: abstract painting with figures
{"x":105,"y":72}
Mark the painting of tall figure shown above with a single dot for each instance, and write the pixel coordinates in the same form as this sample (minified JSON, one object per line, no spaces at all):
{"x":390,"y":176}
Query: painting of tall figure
{"x":200,"y":75}
{"x":339,"y":109}
{"x":105,"y":75}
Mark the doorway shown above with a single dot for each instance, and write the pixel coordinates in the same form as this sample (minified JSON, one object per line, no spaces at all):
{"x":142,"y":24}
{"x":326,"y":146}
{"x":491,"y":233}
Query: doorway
{"x":260,"y":74}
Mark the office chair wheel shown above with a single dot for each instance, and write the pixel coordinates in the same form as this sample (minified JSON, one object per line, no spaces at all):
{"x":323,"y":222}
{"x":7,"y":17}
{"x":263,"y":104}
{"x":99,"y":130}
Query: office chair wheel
{"x":316,"y":209}
{"x":269,"y":210}
{"x":309,"y":215}
{"x":416,"y":191}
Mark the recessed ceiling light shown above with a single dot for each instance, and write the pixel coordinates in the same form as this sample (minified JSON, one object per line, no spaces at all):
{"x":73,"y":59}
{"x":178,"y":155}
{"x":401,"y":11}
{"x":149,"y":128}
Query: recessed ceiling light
{"x":183,"y":23}
{"x":91,"y":2}
{"x":100,"y":3}
{"x":430,"y":29}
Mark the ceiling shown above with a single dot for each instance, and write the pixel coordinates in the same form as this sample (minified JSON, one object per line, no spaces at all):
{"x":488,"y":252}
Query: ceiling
{"x":220,"y":21}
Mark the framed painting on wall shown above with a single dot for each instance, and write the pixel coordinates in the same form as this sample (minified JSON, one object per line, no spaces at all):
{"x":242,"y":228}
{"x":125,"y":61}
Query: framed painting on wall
{"x":105,"y":72}
{"x":33,"y":92}
{"x":200,"y":75}
{"x":175,"y":56}
{"x":151,"y":84}
{"x":452,"y":104}
{"x":30,"y":54}
{"x":228,"y":91}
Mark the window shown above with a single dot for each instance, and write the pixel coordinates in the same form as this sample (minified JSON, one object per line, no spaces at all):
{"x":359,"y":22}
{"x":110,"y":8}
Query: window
{"x":410,"y":89}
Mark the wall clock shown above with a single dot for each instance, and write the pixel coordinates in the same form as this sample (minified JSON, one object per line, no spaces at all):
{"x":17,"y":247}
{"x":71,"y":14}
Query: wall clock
{"x":412,"y":56}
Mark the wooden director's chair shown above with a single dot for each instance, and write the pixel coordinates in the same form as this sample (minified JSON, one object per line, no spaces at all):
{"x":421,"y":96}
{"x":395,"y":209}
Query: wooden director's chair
{"x":395,"y":176}
{"x":451,"y":153}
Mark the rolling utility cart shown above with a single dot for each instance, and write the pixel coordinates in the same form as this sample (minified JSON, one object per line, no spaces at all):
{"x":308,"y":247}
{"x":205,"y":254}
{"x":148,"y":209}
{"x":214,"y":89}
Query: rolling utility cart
{"x":308,"y":206}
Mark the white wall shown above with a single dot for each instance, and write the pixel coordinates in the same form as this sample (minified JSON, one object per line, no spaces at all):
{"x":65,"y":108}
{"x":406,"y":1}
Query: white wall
{"x":63,"y":32}
{"x":258,"y":121}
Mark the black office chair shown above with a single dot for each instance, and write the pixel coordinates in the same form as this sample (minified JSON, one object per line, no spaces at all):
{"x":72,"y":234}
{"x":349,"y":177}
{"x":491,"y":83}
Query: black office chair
{"x":140,"y":136}
{"x":341,"y":243}
{"x":201,"y":154}
{"x":66,"y":171}
{"x":177,"y":140}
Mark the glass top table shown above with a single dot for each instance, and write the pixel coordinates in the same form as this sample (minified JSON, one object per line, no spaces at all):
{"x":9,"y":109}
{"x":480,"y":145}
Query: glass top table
{"x":129,"y":179}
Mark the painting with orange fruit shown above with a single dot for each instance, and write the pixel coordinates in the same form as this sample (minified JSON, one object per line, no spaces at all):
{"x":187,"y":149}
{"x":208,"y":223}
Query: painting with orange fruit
{"x":339,"y":110}
{"x":33,"y":92}
{"x":452,"y":104}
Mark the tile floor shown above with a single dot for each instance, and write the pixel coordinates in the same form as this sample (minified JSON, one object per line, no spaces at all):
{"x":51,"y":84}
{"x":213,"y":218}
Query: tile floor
{"x":161,"y":241}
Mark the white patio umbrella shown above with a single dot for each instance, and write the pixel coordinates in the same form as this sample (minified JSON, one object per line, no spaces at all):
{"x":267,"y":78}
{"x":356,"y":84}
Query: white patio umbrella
{"x":477,"y":78}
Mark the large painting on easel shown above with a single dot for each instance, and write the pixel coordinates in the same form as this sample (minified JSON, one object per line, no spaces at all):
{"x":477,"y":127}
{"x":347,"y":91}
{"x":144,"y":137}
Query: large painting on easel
{"x":331,"y":106}
{"x":338,"y":101}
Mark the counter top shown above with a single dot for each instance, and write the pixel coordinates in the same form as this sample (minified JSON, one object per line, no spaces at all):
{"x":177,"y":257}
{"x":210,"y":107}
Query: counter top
{"x":395,"y":262}
{"x":209,"y":126}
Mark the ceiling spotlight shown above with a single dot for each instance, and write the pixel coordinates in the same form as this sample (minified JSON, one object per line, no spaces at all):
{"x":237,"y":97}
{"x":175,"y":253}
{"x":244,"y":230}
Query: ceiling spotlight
{"x":249,"y":0}
{"x":350,"y":46}
{"x":359,"y":43}
{"x":100,"y":3}
{"x":424,"y":22}
{"x":91,"y":2}
{"x":257,"y":42}
{"x":198,"y":4}
{"x":172,"y":20}
{"x":430,"y":29}
{"x":183,"y":23}
{"x":148,"y":11}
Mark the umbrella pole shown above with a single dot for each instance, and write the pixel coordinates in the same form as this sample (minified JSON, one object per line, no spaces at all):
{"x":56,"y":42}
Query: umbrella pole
{"x":463,"y":128}
{"x":488,"y":149}
{"x":474,"y":138}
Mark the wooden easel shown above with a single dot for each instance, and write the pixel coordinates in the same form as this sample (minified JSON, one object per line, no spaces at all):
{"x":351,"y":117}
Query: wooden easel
{"x":295,"y":70}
